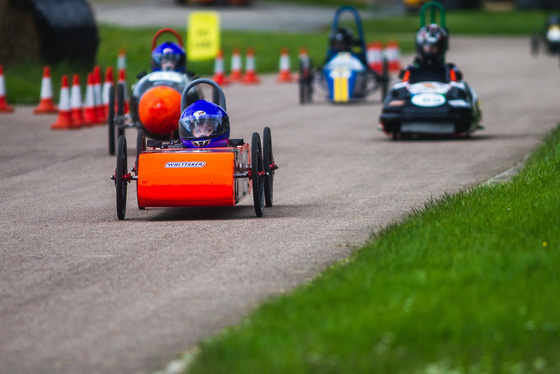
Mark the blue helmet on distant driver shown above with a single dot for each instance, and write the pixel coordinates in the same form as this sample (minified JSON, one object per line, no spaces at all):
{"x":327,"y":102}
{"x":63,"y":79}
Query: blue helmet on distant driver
{"x":169,"y":57}
{"x":204,"y":124}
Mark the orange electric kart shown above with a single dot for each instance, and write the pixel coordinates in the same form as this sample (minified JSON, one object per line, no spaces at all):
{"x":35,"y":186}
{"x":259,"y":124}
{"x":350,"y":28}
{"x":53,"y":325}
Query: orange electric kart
{"x":169,"y":175}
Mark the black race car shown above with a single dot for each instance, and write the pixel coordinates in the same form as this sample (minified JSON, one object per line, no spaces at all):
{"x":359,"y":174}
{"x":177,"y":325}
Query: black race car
{"x":424,"y":105}
{"x":432,"y":98}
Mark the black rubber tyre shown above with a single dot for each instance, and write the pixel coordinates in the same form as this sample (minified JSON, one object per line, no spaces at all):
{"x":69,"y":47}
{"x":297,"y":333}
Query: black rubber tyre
{"x":384,"y":79}
{"x":111,"y":121}
{"x":120,"y":177}
{"x":269,"y":167}
{"x":120,"y":108}
{"x":256,"y":179}
{"x":120,"y":99}
{"x":304,"y":82}
{"x":310,"y":81}
{"x":301,"y":84}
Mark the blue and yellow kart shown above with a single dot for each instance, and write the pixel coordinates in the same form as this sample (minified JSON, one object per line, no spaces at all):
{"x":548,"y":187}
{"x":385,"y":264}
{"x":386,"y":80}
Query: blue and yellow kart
{"x":345,"y":74}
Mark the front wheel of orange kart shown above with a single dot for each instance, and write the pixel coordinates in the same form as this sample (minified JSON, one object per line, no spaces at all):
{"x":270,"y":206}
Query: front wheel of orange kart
{"x":257,"y":174}
{"x":121,"y":177}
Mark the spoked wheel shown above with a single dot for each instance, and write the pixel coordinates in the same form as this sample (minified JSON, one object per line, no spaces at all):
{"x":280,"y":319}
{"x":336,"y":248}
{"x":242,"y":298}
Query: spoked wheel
{"x":121,"y":177}
{"x":140,"y":147}
{"x":269,"y":166}
{"x":257,"y":174}
{"x":120,"y":108}
{"x":111,"y":121}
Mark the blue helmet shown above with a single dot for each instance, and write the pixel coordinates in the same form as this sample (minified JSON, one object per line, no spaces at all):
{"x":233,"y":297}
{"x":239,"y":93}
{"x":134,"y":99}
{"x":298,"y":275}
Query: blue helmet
{"x":204,"y":124}
{"x":169,"y":57}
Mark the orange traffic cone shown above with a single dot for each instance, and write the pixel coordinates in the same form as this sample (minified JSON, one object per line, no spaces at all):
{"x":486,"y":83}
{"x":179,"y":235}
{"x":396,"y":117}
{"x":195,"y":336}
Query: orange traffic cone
{"x":121,"y":60}
{"x":219,"y":76}
{"x":90,"y":114}
{"x":4,"y":108}
{"x":107,"y":86}
{"x":235,"y":66}
{"x":393,"y":57}
{"x":101,"y":119}
{"x":64,"y":120}
{"x":122,"y":80}
{"x":250,"y":76}
{"x":46,"y":104}
{"x":76,"y":109}
{"x":284,"y":76}
{"x":375,"y":57}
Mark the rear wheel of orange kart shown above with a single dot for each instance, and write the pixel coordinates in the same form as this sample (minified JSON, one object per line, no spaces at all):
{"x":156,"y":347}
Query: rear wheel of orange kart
{"x":269,"y":167}
{"x":257,"y":174}
{"x":111,"y":121}
{"x":121,"y":177}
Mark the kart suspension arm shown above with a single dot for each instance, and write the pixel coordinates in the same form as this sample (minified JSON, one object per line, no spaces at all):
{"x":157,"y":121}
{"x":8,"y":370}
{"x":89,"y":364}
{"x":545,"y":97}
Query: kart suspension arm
{"x":127,"y":177}
{"x":249,"y":174}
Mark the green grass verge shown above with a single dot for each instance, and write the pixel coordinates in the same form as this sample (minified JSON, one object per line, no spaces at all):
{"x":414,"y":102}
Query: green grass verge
{"x":469,"y":284}
{"x":467,"y":23}
{"x":23,"y":79}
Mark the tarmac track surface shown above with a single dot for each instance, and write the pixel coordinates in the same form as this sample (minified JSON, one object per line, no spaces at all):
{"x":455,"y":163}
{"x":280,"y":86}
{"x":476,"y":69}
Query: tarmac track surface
{"x":259,"y":16}
{"x":81,"y":292}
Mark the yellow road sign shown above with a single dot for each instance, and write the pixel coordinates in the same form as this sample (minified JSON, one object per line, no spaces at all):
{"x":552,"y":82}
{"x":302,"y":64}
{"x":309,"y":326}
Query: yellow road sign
{"x":203,"y":35}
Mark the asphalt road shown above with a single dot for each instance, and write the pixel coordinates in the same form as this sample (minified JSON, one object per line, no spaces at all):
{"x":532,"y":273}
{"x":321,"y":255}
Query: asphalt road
{"x":81,"y":292}
{"x":259,"y":16}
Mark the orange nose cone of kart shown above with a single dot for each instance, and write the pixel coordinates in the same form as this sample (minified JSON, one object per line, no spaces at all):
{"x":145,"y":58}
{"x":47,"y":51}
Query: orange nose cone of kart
{"x":160,"y":109}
